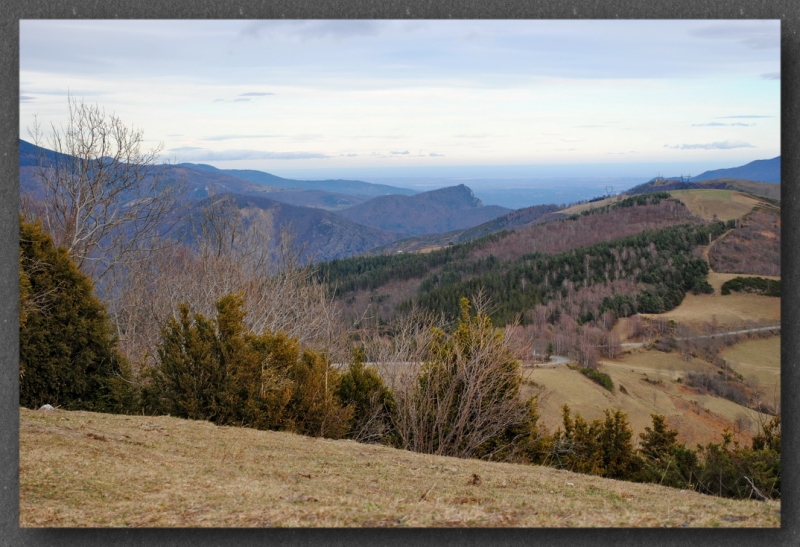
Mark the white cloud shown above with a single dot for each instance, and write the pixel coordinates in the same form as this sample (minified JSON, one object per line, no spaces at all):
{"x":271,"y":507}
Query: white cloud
{"x":721,"y":145}
{"x":194,"y":153}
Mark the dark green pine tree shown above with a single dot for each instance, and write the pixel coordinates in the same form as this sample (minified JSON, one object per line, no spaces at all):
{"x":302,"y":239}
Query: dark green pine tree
{"x":68,"y":355}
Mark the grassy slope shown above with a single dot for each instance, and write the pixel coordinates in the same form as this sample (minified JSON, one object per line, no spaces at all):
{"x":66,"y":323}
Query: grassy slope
{"x":82,"y":469}
{"x":650,"y":379}
{"x":725,"y":204}
{"x":759,"y":362}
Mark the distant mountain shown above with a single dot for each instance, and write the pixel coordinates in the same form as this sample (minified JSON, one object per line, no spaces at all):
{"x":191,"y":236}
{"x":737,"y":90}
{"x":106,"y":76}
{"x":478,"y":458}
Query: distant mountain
{"x":29,"y":154}
{"x":350,"y":187}
{"x":441,"y":210}
{"x":759,"y":171}
{"x":202,"y":179}
{"x":513,"y":220}
{"x":322,"y":235}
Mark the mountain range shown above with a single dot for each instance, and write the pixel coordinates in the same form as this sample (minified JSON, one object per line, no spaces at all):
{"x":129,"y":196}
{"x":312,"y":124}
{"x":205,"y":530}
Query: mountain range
{"x":439,"y":210}
{"x":758,"y":171}
{"x":340,"y":218}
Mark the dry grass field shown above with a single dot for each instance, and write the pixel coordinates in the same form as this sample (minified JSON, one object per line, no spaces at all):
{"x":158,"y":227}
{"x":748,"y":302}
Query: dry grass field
{"x":731,"y":310}
{"x":724,"y":204}
{"x":81,"y":469}
{"x":578,"y":209}
{"x":645,"y":383}
{"x":716,"y":279}
{"x":759,"y":361}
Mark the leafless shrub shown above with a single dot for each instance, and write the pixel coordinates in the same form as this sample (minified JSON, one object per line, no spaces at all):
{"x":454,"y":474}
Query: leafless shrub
{"x":458,"y":394}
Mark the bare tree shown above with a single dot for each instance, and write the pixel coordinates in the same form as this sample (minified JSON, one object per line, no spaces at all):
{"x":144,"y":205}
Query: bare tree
{"x":226,"y":251}
{"x":103,"y":196}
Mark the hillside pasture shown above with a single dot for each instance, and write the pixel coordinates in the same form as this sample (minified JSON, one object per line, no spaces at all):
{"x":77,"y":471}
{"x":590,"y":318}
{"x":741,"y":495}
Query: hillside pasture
{"x":733,"y":310}
{"x":759,"y":362}
{"x":651,"y":386}
{"x":716,"y":280}
{"x":722,"y":204}
{"x":581,"y":207}
{"x":82,"y":469}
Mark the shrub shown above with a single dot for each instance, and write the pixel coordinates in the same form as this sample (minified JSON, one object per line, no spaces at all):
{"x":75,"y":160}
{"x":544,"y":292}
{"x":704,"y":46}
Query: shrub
{"x":465,"y":401}
{"x":739,"y":472}
{"x":214,"y":369}
{"x":373,"y":403}
{"x":757,"y":285}
{"x":68,"y":355}
{"x":603,"y":448}
{"x":598,"y":377}
{"x":664,"y":460}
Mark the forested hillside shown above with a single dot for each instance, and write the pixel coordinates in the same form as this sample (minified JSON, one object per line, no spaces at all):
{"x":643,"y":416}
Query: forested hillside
{"x":426,"y":277}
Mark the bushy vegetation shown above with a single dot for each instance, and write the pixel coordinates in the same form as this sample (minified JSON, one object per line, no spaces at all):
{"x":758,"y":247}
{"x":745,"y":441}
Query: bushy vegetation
{"x":465,"y":402}
{"x":600,"y":378}
{"x":215,"y":369}
{"x":373,"y":404}
{"x":757,"y":285}
{"x":67,"y":348}
{"x":605,"y":448}
{"x":729,"y":389}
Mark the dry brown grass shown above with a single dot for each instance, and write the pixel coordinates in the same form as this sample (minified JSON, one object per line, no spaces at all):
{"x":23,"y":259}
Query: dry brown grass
{"x":724,"y":204}
{"x":80,"y":469}
{"x":716,"y":279}
{"x":651,"y":386}
{"x":578,"y":209}
{"x":732,"y":310}
{"x":759,"y":362}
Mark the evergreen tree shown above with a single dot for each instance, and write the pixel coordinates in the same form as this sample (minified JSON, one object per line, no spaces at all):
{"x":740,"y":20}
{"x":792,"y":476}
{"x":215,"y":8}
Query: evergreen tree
{"x":372,"y":402}
{"x":215,"y":369}
{"x":68,"y":355}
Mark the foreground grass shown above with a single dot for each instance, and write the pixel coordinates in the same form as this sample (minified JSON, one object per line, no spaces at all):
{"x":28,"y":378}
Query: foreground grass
{"x":81,"y":469}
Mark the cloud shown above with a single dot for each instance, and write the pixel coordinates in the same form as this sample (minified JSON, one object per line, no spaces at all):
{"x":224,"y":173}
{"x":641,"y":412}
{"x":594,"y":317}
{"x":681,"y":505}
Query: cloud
{"x":244,"y":97}
{"x":472,"y":136}
{"x":435,"y":155}
{"x":719,"y":124}
{"x":26,"y":98}
{"x":202,"y":154}
{"x":771,"y":76}
{"x":742,"y":116}
{"x":403,"y":153}
{"x":722,"y":145}
{"x":312,"y":30}
{"x":753,"y":34}
{"x":231,"y":137}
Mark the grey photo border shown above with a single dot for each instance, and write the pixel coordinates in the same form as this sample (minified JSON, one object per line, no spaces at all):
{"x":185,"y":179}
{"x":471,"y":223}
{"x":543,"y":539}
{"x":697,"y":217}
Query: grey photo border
{"x":14,"y":10}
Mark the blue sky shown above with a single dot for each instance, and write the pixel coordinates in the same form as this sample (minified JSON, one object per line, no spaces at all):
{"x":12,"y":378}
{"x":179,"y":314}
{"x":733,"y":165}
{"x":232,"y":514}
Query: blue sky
{"x":421,"y":96}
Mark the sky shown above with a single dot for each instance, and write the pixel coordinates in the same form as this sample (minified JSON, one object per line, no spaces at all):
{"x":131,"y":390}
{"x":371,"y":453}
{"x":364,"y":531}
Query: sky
{"x":421,"y":98}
